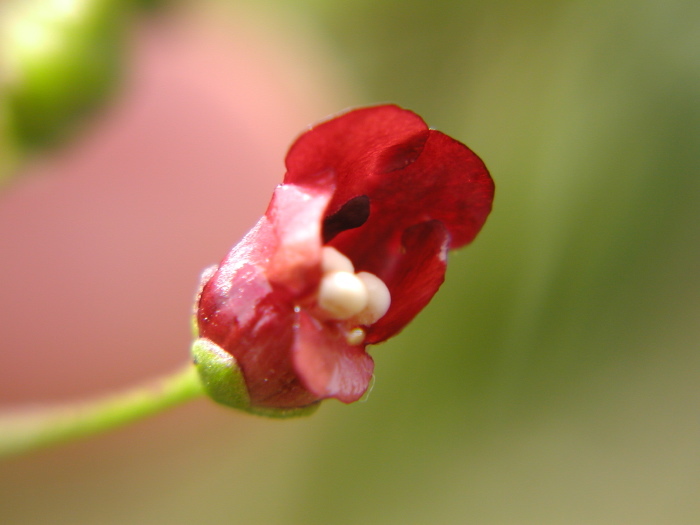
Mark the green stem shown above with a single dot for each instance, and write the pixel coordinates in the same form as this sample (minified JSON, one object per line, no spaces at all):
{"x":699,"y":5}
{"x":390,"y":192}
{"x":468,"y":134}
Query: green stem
{"x":25,"y":431}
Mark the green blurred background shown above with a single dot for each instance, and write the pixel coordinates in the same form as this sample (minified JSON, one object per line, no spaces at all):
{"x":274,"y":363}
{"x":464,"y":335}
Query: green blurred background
{"x":555,"y":379}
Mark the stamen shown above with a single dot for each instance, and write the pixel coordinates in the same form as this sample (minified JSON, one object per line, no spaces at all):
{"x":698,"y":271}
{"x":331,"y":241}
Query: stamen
{"x":362,"y":298}
{"x":342,"y":294}
{"x":355,"y":337}
{"x":378,"y":299}
{"x":334,"y":261}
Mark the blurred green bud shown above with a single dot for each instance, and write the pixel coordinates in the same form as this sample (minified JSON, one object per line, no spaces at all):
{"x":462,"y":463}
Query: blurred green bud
{"x":8,"y":147}
{"x":223,"y":381}
{"x":58,"y":60}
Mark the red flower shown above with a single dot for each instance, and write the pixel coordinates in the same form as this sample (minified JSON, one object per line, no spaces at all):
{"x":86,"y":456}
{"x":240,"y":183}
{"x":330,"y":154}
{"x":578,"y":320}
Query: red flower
{"x":353,"y":245}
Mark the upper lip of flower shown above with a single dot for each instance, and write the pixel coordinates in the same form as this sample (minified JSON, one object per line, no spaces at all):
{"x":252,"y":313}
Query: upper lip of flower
{"x":391,"y":175}
{"x":379,"y":187}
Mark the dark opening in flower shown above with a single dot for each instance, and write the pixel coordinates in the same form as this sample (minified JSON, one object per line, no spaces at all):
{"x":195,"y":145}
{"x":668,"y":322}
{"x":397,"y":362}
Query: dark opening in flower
{"x":352,"y":246}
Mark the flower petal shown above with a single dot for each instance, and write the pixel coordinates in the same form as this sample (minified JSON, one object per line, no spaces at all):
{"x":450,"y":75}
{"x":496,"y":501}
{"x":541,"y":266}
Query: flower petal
{"x":448,"y":183}
{"x":296,"y":214}
{"x":354,"y":146}
{"x":414,"y":279}
{"x":327,"y":364}
{"x":410,"y":173}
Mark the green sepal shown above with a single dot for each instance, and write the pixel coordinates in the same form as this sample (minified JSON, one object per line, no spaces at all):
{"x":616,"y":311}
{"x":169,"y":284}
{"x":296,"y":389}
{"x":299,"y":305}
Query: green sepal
{"x":223,"y":381}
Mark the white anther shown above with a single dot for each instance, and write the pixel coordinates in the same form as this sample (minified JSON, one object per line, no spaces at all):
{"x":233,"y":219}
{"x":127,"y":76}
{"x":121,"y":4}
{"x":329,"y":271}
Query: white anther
{"x":355,"y":337}
{"x":334,"y":261}
{"x":378,"y":299}
{"x":342,"y":295}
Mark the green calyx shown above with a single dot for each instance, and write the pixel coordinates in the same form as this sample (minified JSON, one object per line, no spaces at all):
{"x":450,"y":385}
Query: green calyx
{"x":223,"y":381}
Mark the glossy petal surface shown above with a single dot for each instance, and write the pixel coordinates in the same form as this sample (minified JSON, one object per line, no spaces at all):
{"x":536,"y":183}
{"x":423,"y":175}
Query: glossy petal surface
{"x":327,"y":364}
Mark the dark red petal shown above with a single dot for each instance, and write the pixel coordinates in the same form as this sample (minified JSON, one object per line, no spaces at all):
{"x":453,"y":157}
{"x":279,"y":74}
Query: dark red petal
{"x":416,"y":276}
{"x":410,"y":174}
{"x":326,"y":364}
{"x":355,"y":146}
{"x":448,"y":183}
{"x":264,"y":355}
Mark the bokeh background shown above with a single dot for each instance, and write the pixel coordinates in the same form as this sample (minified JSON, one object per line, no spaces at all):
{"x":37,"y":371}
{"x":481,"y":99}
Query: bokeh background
{"x":555,"y":379}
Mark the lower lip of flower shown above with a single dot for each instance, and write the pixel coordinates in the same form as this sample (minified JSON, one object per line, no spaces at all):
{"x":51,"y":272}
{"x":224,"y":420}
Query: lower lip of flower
{"x":358,"y":299}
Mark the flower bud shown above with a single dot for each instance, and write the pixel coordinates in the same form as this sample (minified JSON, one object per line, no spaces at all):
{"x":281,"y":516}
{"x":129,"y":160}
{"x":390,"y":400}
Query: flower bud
{"x":58,"y":61}
{"x":351,"y":248}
